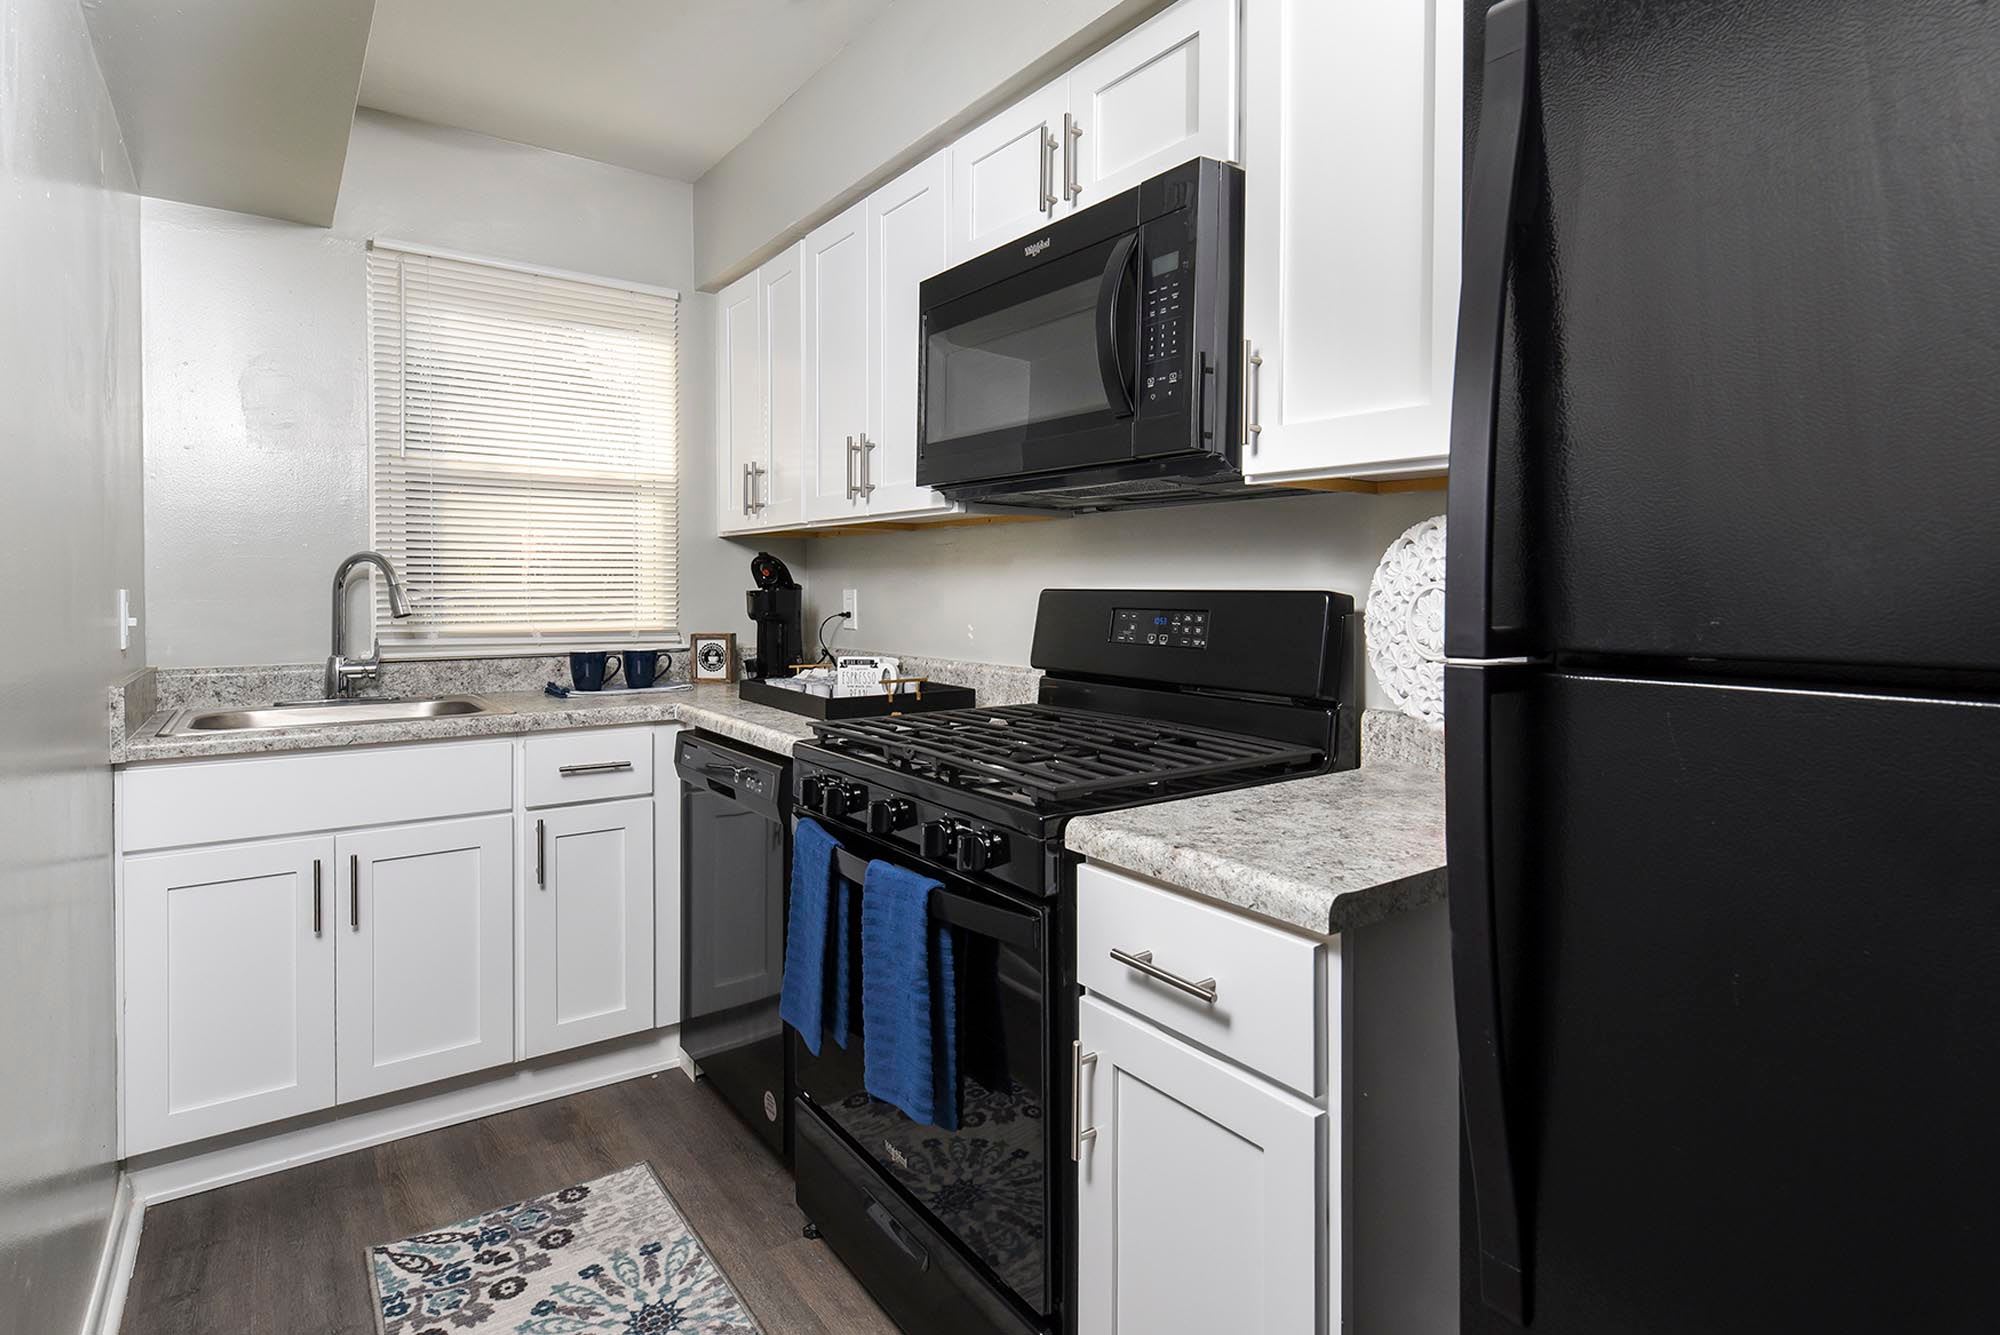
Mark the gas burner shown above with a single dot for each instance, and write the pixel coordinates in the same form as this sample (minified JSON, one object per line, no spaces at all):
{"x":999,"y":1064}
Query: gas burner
{"x":1039,"y":755}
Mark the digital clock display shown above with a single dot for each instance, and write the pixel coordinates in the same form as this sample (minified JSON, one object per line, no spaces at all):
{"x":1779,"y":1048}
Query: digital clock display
{"x":1174,"y":627}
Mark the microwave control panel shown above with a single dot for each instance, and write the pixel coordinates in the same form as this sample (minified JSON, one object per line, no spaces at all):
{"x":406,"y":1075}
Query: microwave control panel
{"x":1163,"y":360}
{"x":1178,"y":628}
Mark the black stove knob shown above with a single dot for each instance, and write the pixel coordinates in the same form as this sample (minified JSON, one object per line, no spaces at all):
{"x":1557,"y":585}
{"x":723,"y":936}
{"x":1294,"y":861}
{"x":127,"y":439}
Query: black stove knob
{"x":979,"y":849}
{"x":888,"y":815}
{"x":811,"y":788}
{"x":842,"y":799}
{"x":937,"y":839}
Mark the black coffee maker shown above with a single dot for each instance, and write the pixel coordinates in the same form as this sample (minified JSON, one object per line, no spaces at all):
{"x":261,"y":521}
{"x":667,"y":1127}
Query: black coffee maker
{"x":776,"y":608}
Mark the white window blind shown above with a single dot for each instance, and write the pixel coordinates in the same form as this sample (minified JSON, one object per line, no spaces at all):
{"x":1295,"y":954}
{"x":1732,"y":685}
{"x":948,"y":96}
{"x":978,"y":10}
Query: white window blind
{"x":525,"y":456}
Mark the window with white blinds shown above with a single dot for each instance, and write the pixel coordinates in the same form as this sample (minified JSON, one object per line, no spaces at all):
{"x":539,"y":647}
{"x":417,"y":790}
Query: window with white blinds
{"x":525,"y":456}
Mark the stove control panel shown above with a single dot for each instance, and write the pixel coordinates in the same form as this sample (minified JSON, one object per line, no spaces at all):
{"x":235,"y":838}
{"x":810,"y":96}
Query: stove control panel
{"x":1174,"y":627}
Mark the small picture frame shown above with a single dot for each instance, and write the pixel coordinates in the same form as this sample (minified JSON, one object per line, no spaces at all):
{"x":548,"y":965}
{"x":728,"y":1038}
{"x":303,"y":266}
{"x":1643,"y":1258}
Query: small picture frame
{"x":712,"y":656}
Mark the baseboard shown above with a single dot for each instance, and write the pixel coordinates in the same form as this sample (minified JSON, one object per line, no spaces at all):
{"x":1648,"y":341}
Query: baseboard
{"x":171,"y":1174}
{"x":114,"y":1266}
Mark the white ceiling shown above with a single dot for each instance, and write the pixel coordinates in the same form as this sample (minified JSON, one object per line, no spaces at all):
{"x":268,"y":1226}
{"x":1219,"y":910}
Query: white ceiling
{"x":662,"y":86}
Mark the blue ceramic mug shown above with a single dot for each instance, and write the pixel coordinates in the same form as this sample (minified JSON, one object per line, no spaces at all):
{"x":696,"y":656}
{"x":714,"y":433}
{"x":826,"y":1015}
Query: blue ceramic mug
{"x":589,"y":671}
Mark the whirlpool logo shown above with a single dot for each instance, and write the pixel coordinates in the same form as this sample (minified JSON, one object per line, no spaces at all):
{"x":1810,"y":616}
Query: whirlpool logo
{"x":1034,"y":248}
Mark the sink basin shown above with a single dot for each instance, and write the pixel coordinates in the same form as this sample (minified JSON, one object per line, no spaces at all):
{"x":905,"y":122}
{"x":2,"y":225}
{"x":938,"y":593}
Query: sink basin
{"x":319,"y":713}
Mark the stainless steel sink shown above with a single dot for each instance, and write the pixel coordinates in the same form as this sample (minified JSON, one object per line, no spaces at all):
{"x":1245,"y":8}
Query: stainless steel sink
{"x":320,"y":713}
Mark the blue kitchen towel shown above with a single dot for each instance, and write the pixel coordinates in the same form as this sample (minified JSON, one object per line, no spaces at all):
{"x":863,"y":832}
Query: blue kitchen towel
{"x":909,"y":998}
{"x":816,"y":933}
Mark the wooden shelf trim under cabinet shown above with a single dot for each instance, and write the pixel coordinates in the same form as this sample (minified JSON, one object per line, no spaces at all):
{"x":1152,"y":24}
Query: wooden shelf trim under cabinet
{"x":902,"y":525}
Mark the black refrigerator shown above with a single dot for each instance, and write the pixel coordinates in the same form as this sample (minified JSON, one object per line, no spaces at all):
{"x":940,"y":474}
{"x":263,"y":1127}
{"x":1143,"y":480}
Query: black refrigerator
{"x":1723,"y":673}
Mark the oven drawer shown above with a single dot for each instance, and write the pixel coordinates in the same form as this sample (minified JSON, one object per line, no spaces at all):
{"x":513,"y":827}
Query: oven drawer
{"x":908,"y":1266}
{"x":589,"y":766}
{"x":1267,"y":983}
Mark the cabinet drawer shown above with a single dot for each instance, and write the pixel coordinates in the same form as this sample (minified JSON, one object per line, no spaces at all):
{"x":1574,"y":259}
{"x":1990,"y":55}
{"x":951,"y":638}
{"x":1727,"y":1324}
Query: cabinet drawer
{"x":1266,"y":981}
{"x":226,"y":801}
{"x":587,"y":766}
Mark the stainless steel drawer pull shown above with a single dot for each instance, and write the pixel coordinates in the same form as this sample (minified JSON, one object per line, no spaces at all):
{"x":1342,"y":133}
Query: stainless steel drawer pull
{"x":317,"y":921}
{"x":1079,"y":1133}
{"x":601,"y":767}
{"x":1142,"y":961}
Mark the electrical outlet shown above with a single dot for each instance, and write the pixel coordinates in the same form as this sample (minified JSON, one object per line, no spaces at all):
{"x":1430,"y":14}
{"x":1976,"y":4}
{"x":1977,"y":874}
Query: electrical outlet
{"x":850,"y":603}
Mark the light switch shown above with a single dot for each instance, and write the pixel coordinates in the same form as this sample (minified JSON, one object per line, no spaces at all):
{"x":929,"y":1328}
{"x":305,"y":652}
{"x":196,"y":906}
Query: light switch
{"x":127,"y":623}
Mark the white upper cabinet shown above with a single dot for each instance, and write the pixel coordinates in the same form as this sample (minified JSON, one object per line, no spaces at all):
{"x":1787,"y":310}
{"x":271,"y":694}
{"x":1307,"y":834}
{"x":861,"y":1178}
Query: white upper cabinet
{"x":777,"y":495}
{"x":742,"y":444}
{"x":228,"y":989}
{"x":1351,"y":157}
{"x":1006,"y":175}
{"x":906,"y":244}
{"x":833,"y":264}
{"x":425,"y":948}
{"x":1163,"y":93}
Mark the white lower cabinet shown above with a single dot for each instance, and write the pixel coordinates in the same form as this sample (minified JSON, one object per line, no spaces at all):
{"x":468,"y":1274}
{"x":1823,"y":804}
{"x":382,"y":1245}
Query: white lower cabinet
{"x":587,"y":925}
{"x":303,"y":931}
{"x":1199,"y":1193}
{"x":424,"y":932}
{"x":229,"y":959}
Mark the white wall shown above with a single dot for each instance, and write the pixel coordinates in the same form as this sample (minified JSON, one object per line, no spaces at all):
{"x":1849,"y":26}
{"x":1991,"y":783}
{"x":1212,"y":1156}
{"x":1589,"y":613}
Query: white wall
{"x":70,"y":524}
{"x":256,"y":396}
{"x":906,"y":84}
{"x":971,"y":592}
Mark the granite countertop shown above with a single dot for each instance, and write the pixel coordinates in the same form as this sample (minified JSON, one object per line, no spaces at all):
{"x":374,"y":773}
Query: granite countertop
{"x":1324,"y":855}
{"x":715,"y":708}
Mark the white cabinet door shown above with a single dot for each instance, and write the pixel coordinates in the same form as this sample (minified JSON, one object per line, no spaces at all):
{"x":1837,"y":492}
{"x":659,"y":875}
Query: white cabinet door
{"x":777,"y":491}
{"x":587,"y":925}
{"x":1004,"y":174}
{"x":741,"y":443}
{"x":1351,"y":157}
{"x":1196,"y":1169}
{"x":666,"y":880}
{"x":906,"y":222}
{"x":1163,"y":93}
{"x":833,"y":264}
{"x":424,"y":925}
{"x":228,"y":989}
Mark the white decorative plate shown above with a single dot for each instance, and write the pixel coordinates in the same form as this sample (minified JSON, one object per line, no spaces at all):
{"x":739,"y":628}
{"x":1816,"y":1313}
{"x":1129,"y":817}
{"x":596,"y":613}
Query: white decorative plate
{"x":1405,"y":621}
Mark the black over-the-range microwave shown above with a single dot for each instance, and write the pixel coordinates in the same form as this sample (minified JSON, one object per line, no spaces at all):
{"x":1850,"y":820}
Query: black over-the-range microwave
{"x":1092,"y":364}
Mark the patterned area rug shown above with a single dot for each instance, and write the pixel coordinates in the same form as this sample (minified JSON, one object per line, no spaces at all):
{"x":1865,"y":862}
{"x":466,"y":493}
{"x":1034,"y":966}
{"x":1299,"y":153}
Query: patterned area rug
{"x":608,"y":1255}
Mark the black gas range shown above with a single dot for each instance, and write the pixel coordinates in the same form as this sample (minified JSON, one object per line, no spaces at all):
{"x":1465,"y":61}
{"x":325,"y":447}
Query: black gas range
{"x":1146,"y":696}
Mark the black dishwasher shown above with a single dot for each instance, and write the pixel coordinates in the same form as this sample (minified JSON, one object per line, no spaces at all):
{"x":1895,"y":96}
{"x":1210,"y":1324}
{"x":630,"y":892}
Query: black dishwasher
{"x":735,"y":870}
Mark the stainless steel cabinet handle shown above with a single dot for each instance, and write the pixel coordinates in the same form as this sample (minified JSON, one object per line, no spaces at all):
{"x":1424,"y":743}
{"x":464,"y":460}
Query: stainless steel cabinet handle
{"x":747,"y":484}
{"x":867,"y":487}
{"x":541,"y":854}
{"x":354,"y":891}
{"x":1048,"y":181}
{"x":1253,"y":390}
{"x":852,"y":487}
{"x":1142,"y":961}
{"x":760,"y":491}
{"x":1079,"y":1133}
{"x":1071,"y":133}
{"x":317,"y":925}
{"x":599,"y":767}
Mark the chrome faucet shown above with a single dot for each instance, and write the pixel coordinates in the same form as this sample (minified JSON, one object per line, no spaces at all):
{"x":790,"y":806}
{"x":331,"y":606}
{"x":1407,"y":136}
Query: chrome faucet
{"x":343,"y":674}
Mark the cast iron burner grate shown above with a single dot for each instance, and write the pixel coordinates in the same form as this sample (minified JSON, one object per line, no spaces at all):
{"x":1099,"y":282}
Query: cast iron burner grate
{"x":1044,"y":753}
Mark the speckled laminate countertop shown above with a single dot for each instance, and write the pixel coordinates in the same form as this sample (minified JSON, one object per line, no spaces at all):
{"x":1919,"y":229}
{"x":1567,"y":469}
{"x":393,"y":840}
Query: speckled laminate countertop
{"x":1325,"y":855}
{"x":715,"y":708}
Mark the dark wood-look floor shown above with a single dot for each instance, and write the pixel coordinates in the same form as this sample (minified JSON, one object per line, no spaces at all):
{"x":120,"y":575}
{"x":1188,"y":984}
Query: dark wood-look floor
{"x":285,"y":1253}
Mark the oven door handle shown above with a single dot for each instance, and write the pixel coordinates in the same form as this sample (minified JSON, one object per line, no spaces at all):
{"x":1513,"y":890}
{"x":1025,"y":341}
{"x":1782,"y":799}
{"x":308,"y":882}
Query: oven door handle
{"x":1111,"y":327}
{"x":1012,"y":926}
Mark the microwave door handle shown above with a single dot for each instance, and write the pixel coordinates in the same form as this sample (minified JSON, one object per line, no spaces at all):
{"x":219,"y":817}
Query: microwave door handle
{"x":1111,"y":330}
